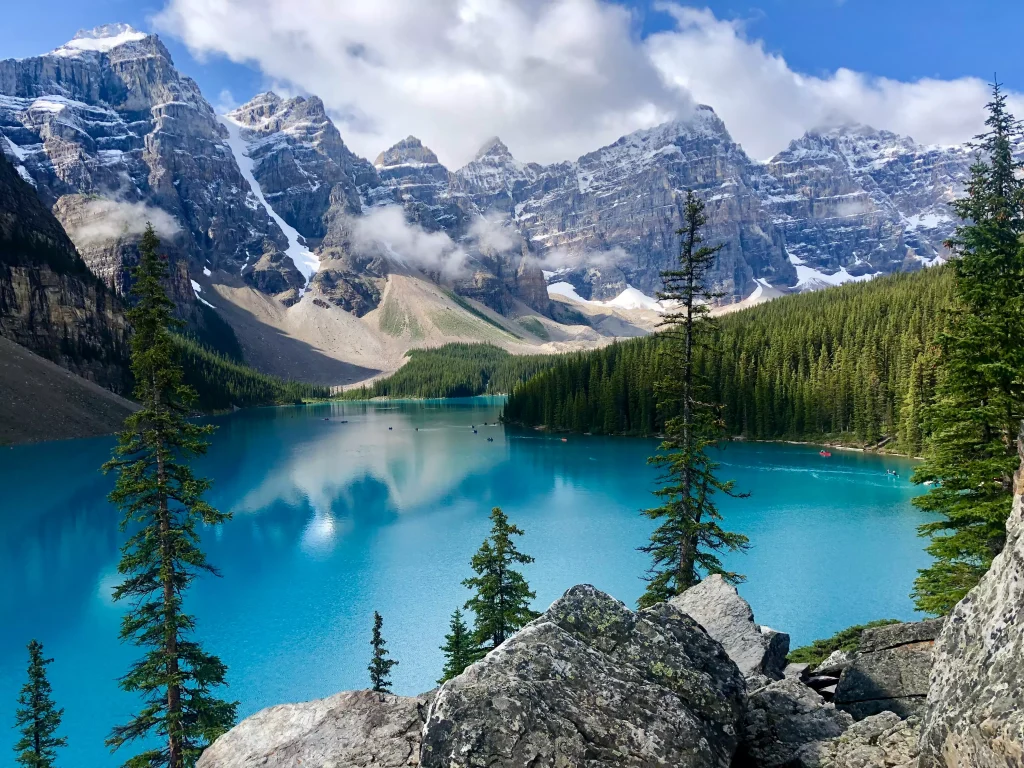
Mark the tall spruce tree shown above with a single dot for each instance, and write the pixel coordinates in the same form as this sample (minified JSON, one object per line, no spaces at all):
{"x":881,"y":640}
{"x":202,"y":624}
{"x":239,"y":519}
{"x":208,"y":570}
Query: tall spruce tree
{"x":37,"y":717}
{"x":501,"y":602}
{"x":163,"y":507}
{"x":689,"y":535}
{"x":380,"y":665}
{"x":978,"y":407}
{"x":459,"y":649}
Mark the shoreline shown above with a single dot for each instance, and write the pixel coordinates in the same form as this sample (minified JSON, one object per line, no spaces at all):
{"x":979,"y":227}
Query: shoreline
{"x":878,"y":451}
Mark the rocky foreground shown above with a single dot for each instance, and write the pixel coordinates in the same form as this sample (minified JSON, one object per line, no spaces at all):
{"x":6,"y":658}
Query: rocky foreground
{"x":693,"y":683}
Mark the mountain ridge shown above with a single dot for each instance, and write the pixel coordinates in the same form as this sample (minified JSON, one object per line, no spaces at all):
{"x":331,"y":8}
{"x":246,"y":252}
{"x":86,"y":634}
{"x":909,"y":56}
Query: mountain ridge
{"x":269,"y":198}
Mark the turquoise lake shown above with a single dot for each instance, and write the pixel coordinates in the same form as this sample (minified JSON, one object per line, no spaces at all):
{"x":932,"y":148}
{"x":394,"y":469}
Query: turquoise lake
{"x":335,"y":520}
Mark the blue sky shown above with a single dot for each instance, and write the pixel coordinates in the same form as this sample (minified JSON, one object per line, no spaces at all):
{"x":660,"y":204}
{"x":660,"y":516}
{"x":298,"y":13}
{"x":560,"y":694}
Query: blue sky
{"x":904,"y":40}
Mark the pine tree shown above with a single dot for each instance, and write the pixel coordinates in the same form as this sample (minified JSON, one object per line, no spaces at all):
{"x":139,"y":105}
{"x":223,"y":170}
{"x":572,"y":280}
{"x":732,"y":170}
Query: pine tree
{"x":689,"y":536}
{"x":162,"y":503}
{"x":380,"y":665}
{"x":459,"y":649}
{"x":980,"y":401}
{"x":37,"y":716}
{"x":502,"y":596}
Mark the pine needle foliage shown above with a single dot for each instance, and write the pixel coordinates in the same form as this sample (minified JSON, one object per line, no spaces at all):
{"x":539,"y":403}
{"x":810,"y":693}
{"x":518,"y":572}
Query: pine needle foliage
{"x":501,"y":599}
{"x":37,"y":717}
{"x":380,"y":665}
{"x":976,"y":415}
{"x":689,"y":537}
{"x":163,"y":509}
{"x":459,"y":649}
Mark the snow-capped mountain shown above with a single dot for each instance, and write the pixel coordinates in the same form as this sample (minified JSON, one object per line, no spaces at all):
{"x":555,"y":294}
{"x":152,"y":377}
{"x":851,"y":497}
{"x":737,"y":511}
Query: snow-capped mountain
{"x":109,"y":133}
{"x":835,"y":206}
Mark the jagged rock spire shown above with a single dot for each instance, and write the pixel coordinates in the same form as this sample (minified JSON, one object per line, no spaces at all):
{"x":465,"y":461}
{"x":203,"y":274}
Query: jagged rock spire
{"x":408,"y":150}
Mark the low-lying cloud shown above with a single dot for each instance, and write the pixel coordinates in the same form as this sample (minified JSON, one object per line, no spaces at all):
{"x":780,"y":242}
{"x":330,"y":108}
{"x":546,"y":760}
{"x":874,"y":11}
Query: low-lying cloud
{"x":106,"y":220}
{"x":386,"y":229}
{"x":494,"y":233}
{"x":558,"y":259}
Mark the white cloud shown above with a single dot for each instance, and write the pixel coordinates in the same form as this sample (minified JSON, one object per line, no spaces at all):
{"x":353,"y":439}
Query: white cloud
{"x":494,"y":234}
{"x":105,"y":219}
{"x":557,"y":259}
{"x":765,"y":104}
{"x":385,"y":229}
{"x":552,"y":78}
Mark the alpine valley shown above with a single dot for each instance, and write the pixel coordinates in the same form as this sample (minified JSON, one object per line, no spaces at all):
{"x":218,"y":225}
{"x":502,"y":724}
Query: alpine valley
{"x":329,"y":267}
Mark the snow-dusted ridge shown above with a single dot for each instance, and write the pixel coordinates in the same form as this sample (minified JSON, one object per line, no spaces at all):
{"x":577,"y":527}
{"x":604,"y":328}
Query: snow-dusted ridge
{"x":305,"y":260}
{"x":101,"y":39}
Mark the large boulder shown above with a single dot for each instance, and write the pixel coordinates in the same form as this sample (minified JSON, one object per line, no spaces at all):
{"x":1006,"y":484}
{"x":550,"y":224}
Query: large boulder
{"x":879,"y":741}
{"x":717,"y":606}
{"x":591,"y":683}
{"x":783,"y":718}
{"x":355,"y":728}
{"x":975,"y":709}
{"x":891,"y":670}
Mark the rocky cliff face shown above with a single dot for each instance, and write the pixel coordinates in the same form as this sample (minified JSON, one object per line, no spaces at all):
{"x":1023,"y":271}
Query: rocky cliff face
{"x":864,"y":201}
{"x":108,"y":115}
{"x":50,"y":302}
{"x":301,"y":162}
{"x":975,"y":708}
{"x":835,"y":205}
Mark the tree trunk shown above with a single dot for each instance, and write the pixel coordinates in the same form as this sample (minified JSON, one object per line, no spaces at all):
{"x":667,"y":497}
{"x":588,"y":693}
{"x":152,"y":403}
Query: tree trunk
{"x":174,"y":751}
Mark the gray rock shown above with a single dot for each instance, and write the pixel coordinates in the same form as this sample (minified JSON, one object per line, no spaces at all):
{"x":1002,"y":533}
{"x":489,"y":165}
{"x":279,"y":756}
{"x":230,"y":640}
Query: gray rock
{"x":834,"y":665}
{"x":716,"y":605}
{"x":895,"y":635}
{"x":590,"y":683}
{"x":782,"y":719}
{"x":879,"y":741}
{"x":890,"y":671}
{"x":975,"y":711}
{"x":354,"y":728}
{"x":796,"y":671}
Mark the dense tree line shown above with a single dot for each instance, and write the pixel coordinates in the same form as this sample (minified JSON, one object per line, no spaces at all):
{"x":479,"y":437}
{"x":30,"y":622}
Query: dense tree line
{"x":221,"y":383}
{"x":975,"y":416}
{"x":854,"y":363}
{"x":456,"y":370}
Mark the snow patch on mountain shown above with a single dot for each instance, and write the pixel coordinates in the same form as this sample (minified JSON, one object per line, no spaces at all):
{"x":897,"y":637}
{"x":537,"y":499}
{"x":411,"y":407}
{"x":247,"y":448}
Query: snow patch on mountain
{"x":305,"y":260}
{"x":630,"y":298}
{"x":197,"y":289}
{"x":101,"y":39}
{"x":810,"y":279}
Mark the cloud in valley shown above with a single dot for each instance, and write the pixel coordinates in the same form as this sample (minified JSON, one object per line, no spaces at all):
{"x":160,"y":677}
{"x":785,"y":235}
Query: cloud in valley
{"x":557,"y":259}
{"x":554,"y":79}
{"x":385,"y":229}
{"x":494,"y":234}
{"x":105,"y":219}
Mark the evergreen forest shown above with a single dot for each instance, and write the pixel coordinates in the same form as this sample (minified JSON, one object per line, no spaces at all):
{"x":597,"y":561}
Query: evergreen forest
{"x":221,"y":383}
{"x":456,"y":370}
{"x":854,"y":364}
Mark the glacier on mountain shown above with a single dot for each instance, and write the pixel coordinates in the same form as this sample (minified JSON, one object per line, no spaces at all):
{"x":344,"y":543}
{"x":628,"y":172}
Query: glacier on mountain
{"x":305,"y":260}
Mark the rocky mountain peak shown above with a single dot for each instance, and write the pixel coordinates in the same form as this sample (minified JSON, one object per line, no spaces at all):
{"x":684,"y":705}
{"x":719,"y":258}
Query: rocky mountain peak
{"x":409,"y":151}
{"x":493,"y":148}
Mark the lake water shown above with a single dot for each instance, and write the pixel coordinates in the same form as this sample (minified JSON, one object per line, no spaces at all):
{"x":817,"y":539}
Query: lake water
{"x":333,"y":521}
